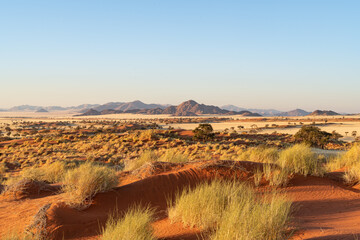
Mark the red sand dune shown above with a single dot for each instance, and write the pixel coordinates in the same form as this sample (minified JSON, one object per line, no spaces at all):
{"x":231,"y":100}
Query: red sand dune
{"x":325,"y":208}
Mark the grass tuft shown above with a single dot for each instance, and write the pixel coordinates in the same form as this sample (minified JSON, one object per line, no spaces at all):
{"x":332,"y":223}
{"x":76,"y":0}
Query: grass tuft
{"x":82,"y":183}
{"x":301,"y":160}
{"x":235,"y":211}
{"x":134,"y":225}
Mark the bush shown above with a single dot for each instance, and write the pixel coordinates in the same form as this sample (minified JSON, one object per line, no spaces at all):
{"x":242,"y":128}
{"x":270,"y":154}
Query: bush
{"x":82,"y":183}
{"x":313,"y":136}
{"x":135,"y":225}
{"x":203,"y":132}
{"x":300,"y":159}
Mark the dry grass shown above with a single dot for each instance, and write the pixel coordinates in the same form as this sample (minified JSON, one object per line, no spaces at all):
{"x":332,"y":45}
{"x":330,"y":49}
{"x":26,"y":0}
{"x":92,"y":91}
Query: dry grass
{"x":81,"y":184}
{"x":134,"y":225}
{"x":259,"y":154}
{"x":348,"y":159}
{"x":251,"y":219}
{"x":146,"y":157}
{"x":301,"y":160}
{"x":231,"y":210}
{"x":50,"y":172}
{"x":173,"y":156}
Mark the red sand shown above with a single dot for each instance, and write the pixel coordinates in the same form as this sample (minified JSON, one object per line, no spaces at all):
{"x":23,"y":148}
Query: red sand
{"x":325,"y":208}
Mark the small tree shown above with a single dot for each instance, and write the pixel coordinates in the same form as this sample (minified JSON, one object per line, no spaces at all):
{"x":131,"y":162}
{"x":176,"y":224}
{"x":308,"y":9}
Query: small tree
{"x":203,"y":132}
{"x":313,"y":135}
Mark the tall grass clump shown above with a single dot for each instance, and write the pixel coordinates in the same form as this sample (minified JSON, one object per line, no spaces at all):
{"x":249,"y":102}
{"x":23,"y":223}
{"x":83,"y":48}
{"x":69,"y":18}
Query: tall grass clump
{"x":233,"y":210}
{"x":259,"y":154}
{"x":147,"y":156}
{"x":81,"y":184}
{"x":300,"y":159}
{"x":134,"y":225}
{"x":348,"y":159}
{"x":352,"y":174}
{"x":174,"y":157}
{"x":251,"y":219}
{"x":49,"y":172}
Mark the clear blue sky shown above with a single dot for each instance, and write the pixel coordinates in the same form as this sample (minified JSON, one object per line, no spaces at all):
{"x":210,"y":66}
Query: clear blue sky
{"x":258,"y":54}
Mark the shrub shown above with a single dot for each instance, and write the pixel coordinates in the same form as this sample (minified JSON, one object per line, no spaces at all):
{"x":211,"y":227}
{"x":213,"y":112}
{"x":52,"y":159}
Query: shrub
{"x":135,"y":225}
{"x":300,"y":159}
{"x":82,"y":183}
{"x":203,"y":132}
{"x":313,"y":136}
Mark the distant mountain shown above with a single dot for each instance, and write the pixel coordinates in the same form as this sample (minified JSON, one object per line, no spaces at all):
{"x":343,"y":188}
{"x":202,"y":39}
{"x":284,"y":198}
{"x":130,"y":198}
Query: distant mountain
{"x":294,"y":113}
{"x":41,"y":110}
{"x":263,"y":112}
{"x":188,"y":108}
{"x":90,"y":112}
{"x":126,"y":106}
{"x":324,"y":113}
{"x":234,"y":108}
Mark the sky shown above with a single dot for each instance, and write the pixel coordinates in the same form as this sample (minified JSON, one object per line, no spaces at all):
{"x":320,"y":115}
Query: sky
{"x":250,"y":53}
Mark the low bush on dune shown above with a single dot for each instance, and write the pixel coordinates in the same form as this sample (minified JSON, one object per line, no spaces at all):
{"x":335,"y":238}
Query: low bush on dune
{"x":230,"y":210}
{"x":50,"y":172}
{"x":301,"y":160}
{"x":82,"y":183}
{"x":134,"y":225}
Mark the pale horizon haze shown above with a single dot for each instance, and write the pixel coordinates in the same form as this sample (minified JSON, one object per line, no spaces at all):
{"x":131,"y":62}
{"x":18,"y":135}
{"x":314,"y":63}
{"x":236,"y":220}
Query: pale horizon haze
{"x":253,"y":54}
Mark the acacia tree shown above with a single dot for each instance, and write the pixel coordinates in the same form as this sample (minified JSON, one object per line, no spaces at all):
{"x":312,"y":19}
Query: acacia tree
{"x":203,"y":132}
{"x":313,"y":136}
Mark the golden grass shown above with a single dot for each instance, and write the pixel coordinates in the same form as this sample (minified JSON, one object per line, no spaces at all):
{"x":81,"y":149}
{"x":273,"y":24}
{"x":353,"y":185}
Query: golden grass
{"x":231,"y":210}
{"x":81,"y":184}
{"x":259,"y":154}
{"x":250,"y":219}
{"x":348,"y":159}
{"x":134,"y":225}
{"x":50,"y":172}
{"x":301,"y":160}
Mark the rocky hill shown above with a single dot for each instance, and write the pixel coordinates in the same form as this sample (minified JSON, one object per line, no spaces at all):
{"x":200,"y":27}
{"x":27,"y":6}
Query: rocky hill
{"x":294,"y":113}
{"x":324,"y":113}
